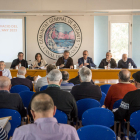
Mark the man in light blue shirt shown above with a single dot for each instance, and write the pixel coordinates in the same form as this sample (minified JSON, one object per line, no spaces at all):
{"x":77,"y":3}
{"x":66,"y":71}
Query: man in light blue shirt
{"x":5,"y":72}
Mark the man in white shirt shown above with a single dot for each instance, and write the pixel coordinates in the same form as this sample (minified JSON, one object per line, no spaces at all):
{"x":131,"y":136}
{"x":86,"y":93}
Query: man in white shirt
{"x":5,"y":72}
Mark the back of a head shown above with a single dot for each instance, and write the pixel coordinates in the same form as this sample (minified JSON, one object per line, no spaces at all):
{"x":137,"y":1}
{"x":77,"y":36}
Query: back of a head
{"x":65,"y":75}
{"x":124,"y":75}
{"x":85,"y":74}
{"x":42,"y":103}
{"x":50,"y":67}
{"x":5,"y":82}
{"x":22,"y":71}
{"x":55,"y":75}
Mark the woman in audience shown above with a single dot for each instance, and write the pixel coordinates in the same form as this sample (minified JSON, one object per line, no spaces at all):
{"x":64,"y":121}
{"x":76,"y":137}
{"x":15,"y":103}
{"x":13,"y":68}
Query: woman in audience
{"x":39,"y":62}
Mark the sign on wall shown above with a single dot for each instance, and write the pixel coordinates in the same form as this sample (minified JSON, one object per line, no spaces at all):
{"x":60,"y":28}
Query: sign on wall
{"x":59,"y":33}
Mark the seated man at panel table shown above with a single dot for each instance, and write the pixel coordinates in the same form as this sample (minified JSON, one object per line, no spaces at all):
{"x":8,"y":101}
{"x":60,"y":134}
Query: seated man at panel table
{"x":5,"y":72}
{"x":8,"y":100}
{"x":108,"y":60}
{"x":85,"y":60}
{"x":18,"y":61}
{"x":62,"y":99}
{"x":43,"y":81}
{"x":45,"y":126}
{"x":124,"y":62}
{"x":21,"y":79}
{"x":65,"y":85}
{"x":86,"y":89}
{"x":118,"y":91}
{"x":65,"y":61}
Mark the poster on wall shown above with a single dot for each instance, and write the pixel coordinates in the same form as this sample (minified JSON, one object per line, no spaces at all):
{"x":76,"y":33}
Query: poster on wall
{"x":57,"y":34}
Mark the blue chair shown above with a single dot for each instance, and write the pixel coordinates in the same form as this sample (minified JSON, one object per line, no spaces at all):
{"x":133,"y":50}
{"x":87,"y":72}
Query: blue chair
{"x":137,"y":136}
{"x":117,"y":104}
{"x":105,"y":88}
{"x":61,"y":117}
{"x":19,"y":88}
{"x":16,"y":119}
{"x":68,"y":84}
{"x":103,"y":98}
{"x":96,"y":132}
{"x":26,"y":97}
{"x":85,"y":104}
{"x":98,"y":116}
{"x":43,"y":88}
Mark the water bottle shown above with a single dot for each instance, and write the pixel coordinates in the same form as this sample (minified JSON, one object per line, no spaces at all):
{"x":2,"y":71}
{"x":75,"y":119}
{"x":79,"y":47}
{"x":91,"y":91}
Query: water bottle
{"x":77,"y":65}
{"x":129,"y":65}
{"x":109,"y":65}
{"x":19,"y":65}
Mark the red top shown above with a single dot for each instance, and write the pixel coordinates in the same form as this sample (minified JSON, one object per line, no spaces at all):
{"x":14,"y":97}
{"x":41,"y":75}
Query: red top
{"x":117,"y":92}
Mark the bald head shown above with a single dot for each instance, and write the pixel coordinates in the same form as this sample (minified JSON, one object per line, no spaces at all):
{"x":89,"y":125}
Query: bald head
{"x":124,"y":57}
{"x":65,"y":75}
{"x":5,"y":83}
{"x":22,"y":71}
{"x":124,"y":75}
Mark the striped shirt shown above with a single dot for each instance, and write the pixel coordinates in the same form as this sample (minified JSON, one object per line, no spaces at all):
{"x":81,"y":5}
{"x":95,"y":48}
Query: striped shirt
{"x":3,"y":135}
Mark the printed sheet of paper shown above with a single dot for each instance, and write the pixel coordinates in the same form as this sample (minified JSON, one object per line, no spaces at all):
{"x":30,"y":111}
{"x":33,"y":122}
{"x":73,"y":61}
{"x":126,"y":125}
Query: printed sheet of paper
{"x":4,"y":121}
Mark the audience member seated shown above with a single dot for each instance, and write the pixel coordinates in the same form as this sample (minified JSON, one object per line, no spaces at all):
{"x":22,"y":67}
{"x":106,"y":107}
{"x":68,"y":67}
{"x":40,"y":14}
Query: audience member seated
{"x":39,"y":61}
{"x":3,"y":134}
{"x":43,"y":81}
{"x":45,"y":126}
{"x":118,"y":91}
{"x":62,"y":99}
{"x":21,"y":80}
{"x":65,"y":85}
{"x":124,"y":62}
{"x":108,"y":60}
{"x":18,"y":61}
{"x":5,"y":72}
{"x":86,"y":89}
{"x":8,"y":100}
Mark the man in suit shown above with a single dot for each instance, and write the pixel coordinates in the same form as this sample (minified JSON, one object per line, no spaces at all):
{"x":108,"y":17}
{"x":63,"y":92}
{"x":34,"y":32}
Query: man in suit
{"x":124,"y":62}
{"x":85,"y":60}
{"x":65,"y":61}
{"x":86,"y":89}
{"x":21,"y":80}
{"x":62,"y":99}
{"x":108,"y":60}
{"x":8,"y":100}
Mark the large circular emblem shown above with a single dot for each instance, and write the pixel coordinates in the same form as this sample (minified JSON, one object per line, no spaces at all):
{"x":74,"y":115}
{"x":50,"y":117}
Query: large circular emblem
{"x":57,"y":34}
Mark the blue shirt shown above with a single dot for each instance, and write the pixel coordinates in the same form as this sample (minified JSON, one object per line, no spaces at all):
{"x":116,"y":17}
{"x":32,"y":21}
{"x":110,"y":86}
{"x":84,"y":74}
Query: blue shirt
{"x":7,"y":73}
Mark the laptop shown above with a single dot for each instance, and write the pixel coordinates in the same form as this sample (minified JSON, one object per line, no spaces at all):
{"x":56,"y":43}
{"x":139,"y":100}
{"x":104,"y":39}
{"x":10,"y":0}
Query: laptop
{"x":0,"y":73}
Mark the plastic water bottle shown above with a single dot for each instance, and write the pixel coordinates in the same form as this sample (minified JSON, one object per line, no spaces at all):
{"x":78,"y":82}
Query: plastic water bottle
{"x":109,"y":65}
{"x":19,"y":65}
{"x":77,"y":65}
{"x":129,"y":65}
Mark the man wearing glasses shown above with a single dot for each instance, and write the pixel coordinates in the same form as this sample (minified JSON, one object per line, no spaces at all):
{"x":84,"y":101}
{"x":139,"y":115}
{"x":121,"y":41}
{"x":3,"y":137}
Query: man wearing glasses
{"x":85,"y":60}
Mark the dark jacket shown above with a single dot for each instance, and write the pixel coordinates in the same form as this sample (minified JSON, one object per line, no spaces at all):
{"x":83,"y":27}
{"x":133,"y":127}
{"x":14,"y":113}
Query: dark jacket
{"x":86,"y":90}
{"x":89,"y":60}
{"x":122,"y":64}
{"x":12,"y":101}
{"x":63,"y":100}
{"x":61,"y":61}
{"x":22,"y":81}
{"x":104,"y":63}
{"x":16,"y":62}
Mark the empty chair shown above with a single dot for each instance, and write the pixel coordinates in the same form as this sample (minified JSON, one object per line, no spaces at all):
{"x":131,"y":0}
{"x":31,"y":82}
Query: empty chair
{"x":43,"y":88}
{"x":19,"y":88}
{"x":117,"y":104}
{"x":103,"y":98}
{"x":26,"y":97}
{"x":16,"y":119}
{"x":61,"y":117}
{"x":105,"y":88}
{"x":96,"y":132}
{"x":98,"y":116}
{"x":85,"y":104}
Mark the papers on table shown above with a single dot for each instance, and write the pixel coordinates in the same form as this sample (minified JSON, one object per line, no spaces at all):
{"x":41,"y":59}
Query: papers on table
{"x":4,"y":121}
{"x":38,"y":77}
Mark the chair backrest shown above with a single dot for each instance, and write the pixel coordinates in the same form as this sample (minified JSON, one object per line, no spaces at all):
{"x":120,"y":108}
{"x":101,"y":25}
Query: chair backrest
{"x":134,"y":120}
{"x":67,"y":84}
{"x":61,"y":117}
{"x":98,"y":116}
{"x":43,"y":88}
{"x":26,"y":97}
{"x":103,"y":98}
{"x":96,"y":132}
{"x":85,"y":104}
{"x":105,"y":88}
{"x":16,"y":119}
{"x":19,"y":88}
{"x":137,"y":136}
{"x":117,"y":104}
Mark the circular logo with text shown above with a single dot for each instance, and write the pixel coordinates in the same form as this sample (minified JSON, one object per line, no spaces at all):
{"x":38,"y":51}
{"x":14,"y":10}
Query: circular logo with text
{"x":57,"y":34}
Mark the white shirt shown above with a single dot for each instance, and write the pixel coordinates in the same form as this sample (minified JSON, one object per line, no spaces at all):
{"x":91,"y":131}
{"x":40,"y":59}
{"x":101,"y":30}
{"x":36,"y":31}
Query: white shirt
{"x":85,"y":61}
{"x":20,"y":76}
{"x":7,"y":73}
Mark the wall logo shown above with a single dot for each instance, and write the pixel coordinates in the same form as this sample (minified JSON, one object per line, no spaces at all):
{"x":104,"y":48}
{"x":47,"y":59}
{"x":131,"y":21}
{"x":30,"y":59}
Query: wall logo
{"x":59,"y":33}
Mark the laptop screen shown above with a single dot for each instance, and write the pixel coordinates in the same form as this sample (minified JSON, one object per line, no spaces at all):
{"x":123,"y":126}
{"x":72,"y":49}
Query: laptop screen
{"x":0,"y":73}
